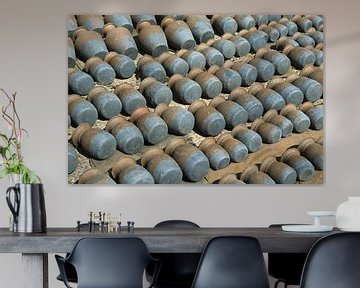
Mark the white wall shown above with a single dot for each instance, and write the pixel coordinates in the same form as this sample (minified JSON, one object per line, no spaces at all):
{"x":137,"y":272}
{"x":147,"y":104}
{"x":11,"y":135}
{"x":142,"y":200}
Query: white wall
{"x":33,"y":63}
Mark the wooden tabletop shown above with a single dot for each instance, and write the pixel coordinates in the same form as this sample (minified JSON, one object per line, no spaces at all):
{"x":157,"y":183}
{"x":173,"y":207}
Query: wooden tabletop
{"x":158,"y":240}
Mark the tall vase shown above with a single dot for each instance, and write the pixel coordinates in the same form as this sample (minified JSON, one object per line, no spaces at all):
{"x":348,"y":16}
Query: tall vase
{"x":348,"y":214}
{"x":27,"y":204}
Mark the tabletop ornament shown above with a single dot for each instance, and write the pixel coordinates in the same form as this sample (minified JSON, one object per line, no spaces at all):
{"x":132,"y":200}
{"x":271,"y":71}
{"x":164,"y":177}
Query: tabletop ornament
{"x":348,"y":214}
{"x":104,"y":222}
{"x":315,"y":227}
{"x":25,"y":197}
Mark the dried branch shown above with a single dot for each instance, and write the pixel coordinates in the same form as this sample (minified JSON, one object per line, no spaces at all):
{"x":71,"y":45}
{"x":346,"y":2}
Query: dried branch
{"x":11,"y":151}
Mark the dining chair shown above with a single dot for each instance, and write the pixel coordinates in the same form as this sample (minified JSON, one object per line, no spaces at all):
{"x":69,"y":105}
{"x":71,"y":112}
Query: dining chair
{"x":231,"y":262}
{"x":285,"y":267}
{"x":333,"y":262}
{"x":108,"y":263}
{"x":178,"y":269}
{"x":70,"y":271}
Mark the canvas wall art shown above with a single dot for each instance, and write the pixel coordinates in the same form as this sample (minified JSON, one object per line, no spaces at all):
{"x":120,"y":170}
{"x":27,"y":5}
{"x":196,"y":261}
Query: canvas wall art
{"x":195,"y":99}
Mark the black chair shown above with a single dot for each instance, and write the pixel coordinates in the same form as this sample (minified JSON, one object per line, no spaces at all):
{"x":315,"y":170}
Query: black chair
{"x":286,"y":267}
{"x":178,"y":269}
{"x":232,"y":262}
{"x":70,"y":271}
{"x":108,"y":263}
{"x":333,"y":262}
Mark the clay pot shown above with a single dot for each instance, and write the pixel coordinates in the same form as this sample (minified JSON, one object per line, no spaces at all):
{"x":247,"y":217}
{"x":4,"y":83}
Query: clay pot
{"x":194,"y":58}
{"x":79,"y":82}
{"x":107,"y":103}
{"x":247,"y":72}
{"x":131,"y":98}
{"x":173,"y":64}
{"x":300,"y":121}
{"x":155,"y":92}
{"x":304,"y":169}
{"x":280,"y":61}
{"x":249,"y":102}
{"x":148,"y":67}
{"x":178,"y":34}
{"x":265,"y":69}
{"x":193,"y":163}
{"x":290,"y":25}
{"x":178,"y":120}
{"x":226,"y":47}
{"x":217,"y":155}
{"x":268,"y":97}
{"x":245,"y":21}
{"x":250,"y":138}
{"x":153,"y":128}
{"x":242,"y":46}
{"x":200,"y":27}
{"x":224,"y":24}
{"x":129,"y":139}
{"x":299,"y":56}
{"x":233,"y":113}
{"x":269,"y":133}
{"x":280,"y":172}
{"x":126,"y":171}
{"x":315,"y":114}
{"x":120,"y":40}
{"x":289,"y":92}
{"x":211,"y":85}
{"x":313,"y":152}
{"x":101,"y":71}
{"x":208,"y":120}
{"x":162,"y":167}
{"x":152,"y":39}
{"x":272,"y":33}
{"x":280,"y":121}
{"x":94,"y":142}
{"x":123,"y":65}
{"x":184,"y":89}
{"x":81,"y":111}
{"x":212,"y":55}
{"x":256,"y":38}
{"x":236,"y":150}
{"x":311,"y":89}
{"x":229,"y":78}
{"x":89,"y":44}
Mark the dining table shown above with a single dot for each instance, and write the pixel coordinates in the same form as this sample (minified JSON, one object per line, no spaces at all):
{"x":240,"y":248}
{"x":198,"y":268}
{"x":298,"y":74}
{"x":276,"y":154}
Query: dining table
{"x":35,"y":247}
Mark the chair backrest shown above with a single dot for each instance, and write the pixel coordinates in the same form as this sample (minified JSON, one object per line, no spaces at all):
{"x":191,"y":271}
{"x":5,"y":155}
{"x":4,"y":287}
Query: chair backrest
{"x":176,"y":224}
{"x":178,"y":267}
{"x":232,"y":262}
{"x":333,"y":262}
{"x":110,"y":262}
{"x":286,"y":266}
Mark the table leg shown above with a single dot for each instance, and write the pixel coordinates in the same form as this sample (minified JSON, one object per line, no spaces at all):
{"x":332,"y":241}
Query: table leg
{"x":35,"y":270}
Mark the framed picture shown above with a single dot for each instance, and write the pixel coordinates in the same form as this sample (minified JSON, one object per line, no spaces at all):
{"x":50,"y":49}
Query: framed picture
{"x":185,"y":99}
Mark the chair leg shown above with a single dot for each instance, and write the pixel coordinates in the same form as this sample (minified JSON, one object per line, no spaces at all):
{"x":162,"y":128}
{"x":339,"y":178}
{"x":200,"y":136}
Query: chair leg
{"x":278,"y":282}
